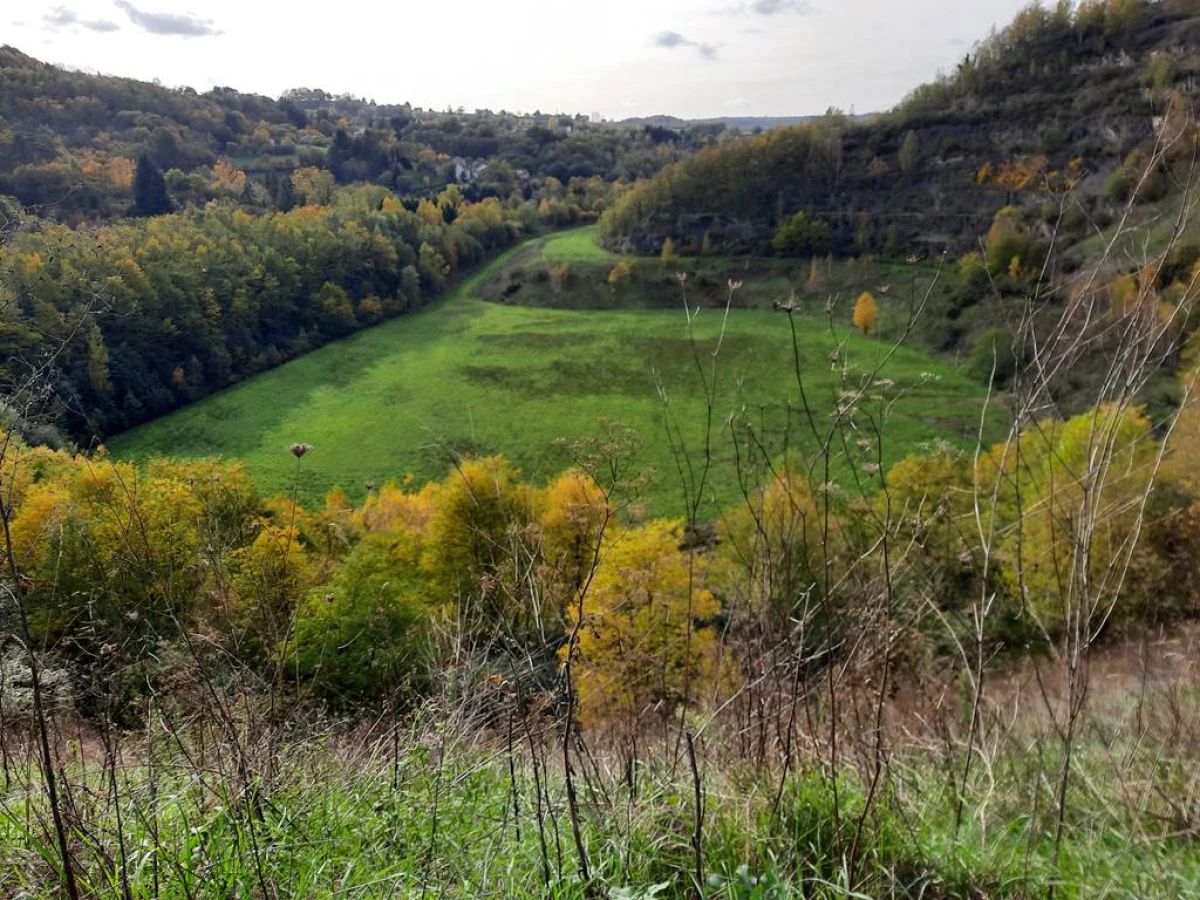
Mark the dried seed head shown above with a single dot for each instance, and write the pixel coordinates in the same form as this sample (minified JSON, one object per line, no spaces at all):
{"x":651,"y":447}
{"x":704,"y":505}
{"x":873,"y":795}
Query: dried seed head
{"x":298,"y":450}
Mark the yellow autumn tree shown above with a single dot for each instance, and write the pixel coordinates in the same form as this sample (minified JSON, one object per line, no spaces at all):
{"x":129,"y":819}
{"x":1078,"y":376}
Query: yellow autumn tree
{"x":475,"y":542}
{"x":645,"y":644}
{"x":314,"y":186}
{"x":669,"y":257}
{"x":929,"y":507}
{"x":429,"y":213}
{"x":270,"y":578}
{"x":1076,"y":554}
{"x":434,"y":268}
{"x":573,"y":514}
{"x":451,"y":198}
{"x":119,"y":172}
{"x":391,"y":508}
{"x":1022,"y":175}
{"x":622,"y":271}
{"x":1006,"y":239}
{"x":118,"y":550}
{"x":1125,"y":295}
{"x":772,"y":549}
{"x":866,"y":312}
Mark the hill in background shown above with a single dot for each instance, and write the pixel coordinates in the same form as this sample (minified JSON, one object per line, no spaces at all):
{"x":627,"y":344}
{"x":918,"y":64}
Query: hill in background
{"x":69,"y":141}
{"x":1059,"y":96}
{"x":740,"y":123}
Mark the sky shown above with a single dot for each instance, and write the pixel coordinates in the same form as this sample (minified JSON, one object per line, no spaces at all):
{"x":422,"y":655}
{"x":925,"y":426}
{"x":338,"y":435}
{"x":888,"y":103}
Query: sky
{"x":618,"y":58}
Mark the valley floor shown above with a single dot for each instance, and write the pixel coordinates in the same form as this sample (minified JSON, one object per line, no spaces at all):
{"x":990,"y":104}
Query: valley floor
{"x":466,"y":377}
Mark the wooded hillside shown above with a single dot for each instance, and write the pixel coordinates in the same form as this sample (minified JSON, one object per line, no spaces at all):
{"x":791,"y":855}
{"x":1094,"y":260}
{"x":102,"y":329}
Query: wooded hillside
{"x":1062,"y":96}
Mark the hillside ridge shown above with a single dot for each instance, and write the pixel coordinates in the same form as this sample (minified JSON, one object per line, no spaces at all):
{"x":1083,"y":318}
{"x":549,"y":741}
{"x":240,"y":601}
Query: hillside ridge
{"x":1060,"y":95}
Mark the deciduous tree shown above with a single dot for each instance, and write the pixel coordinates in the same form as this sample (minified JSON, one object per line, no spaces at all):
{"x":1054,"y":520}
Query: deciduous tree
{"x":646,"y":645}
{"x":866,"y":312}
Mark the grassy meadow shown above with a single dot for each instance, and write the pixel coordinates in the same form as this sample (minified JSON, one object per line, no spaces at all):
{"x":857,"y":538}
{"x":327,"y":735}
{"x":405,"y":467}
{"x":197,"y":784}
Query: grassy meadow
{"x":466,"y":376}
{"x":578,"y":244}
{"x":427,"y":807}
{"x":364,"y":828}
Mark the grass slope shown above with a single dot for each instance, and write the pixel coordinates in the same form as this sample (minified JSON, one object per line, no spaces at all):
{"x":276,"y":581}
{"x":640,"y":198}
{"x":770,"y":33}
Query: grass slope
{"x":465,"y":376}
{"x":334,"y":826}
{"x":576,"y":244}
{"x":955,"y":315}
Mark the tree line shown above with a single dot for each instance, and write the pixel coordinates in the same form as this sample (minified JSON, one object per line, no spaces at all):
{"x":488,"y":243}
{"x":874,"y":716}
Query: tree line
{"x":69,"y":142}
{"x":129,"y":320}
{"x":358,"y":603}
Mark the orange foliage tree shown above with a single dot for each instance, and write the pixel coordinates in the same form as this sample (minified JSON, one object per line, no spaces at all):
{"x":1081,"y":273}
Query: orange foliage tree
{"x":866,"y":312}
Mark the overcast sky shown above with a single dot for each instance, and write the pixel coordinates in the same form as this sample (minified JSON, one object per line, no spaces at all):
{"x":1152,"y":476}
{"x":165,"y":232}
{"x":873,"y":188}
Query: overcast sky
{"x":620,"y":58}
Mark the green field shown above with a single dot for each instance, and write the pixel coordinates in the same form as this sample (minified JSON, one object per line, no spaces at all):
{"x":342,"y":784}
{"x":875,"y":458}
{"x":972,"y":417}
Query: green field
{"x":576,"y":244}
{"x":468,"y":377}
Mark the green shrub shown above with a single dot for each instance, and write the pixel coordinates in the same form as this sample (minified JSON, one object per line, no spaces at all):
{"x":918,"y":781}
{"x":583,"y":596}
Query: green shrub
{"x":1180,"y":263}
{"x":365,"y":633}
{"x":1119,"y":186}
{"x":802,"y":236}
{"x":996,"y":350}
{"x":974,"y":272}
{"x":1137,"y":174}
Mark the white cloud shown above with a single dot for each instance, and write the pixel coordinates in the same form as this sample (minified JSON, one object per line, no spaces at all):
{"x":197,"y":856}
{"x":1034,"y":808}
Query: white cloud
{"x":673,"y":40}
{"x":181,"y":25}
{"x":766,"y":8}
{"x":60,"y":18}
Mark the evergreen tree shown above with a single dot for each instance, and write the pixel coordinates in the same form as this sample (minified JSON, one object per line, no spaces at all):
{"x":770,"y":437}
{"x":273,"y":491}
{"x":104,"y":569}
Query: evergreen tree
{"x":281,"y":191}
{"x":286,"y":198}
{"x":150,"y":196}
{"x":166,"y":151}
{"x":341,"y":152}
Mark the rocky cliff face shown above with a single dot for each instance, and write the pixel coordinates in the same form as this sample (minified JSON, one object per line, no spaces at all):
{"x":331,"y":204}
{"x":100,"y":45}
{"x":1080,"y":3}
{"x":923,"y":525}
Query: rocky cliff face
{"x":1047,"y":99}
